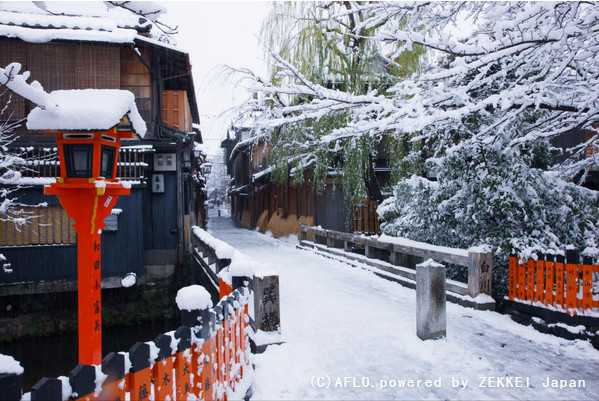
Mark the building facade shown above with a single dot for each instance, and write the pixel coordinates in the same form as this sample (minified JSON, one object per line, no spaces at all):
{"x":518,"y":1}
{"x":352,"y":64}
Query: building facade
{"x":259,"y":202}
{"x":147,"y":233}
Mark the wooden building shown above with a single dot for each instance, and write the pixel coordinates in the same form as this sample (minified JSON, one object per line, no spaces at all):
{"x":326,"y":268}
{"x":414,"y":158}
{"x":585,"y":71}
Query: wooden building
{"x":257,"y":201}
{"x":147,"y":231}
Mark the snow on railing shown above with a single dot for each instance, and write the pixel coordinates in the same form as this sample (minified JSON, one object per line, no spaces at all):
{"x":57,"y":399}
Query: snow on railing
{"x":555,"y":281}
{"x":207,"y":358}
{"x":228,"y":268}
{"x":397,"y":257}
{"x":228,"y":262}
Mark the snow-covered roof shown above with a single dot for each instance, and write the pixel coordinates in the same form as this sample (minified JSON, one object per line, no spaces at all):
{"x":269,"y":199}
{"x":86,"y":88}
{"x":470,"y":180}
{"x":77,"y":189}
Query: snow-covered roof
{"x":86,"y":109}
{"x":74,"y":109}
{"x":98,"y":21}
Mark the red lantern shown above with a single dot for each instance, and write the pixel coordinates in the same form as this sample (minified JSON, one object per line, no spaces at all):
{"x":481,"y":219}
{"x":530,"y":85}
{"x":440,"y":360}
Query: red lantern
{"x":88,"y":190}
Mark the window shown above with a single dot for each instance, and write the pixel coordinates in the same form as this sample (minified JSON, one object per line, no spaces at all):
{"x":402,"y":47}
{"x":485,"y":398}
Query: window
{"x":106,"y":168}
{"x":79,"y":160}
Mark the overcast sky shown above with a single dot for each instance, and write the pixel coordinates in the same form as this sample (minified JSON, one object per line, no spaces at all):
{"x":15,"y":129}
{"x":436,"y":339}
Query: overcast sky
{"x":215,"y":34}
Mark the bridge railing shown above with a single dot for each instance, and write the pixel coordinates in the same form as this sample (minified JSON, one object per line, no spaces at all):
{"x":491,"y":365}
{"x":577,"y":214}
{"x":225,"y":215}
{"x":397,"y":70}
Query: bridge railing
{"x":399,"y":257}
{"x":210,"y":257}
{"x":206,"y":358}
{"x":221,"y":268}
{"x":563,"y":281}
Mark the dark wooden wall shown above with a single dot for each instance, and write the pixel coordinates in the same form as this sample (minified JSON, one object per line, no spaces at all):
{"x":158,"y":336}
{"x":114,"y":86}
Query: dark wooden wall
{"x":161,"y":215}
{"x":330,"y":208}
{"x":122,"y":250}
{"x":62,"y":65}
{"x":135,"y":77}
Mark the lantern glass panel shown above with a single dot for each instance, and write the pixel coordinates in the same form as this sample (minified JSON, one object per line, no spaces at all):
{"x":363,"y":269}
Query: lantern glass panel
{"x":79,"y":160}
{"x":107,"y":164}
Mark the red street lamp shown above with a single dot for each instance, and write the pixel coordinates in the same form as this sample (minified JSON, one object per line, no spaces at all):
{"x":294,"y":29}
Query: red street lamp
{"x":89,"y":125}
{"x":88,"y":190}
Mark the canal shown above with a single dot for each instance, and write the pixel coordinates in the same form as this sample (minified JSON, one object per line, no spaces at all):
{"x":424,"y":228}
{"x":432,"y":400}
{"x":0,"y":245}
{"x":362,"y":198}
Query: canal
{"x":56,"y":355}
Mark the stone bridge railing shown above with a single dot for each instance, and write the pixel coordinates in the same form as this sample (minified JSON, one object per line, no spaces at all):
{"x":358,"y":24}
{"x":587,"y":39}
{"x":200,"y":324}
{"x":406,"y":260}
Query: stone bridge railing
{"x":222,"y":267}
{"x":396,"y":259}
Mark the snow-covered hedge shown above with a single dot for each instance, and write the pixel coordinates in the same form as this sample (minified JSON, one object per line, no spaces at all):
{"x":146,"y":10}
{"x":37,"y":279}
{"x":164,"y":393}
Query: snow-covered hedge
{"x":485,"y":195}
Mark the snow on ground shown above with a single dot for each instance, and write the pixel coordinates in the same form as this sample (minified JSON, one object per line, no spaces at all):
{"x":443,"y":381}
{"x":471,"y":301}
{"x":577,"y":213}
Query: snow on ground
{"x":350,"y":334}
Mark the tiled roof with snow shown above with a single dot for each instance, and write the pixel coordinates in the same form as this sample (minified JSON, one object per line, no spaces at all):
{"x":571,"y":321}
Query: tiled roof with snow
{"x":97,"y":21}
{"x":86,"y":109}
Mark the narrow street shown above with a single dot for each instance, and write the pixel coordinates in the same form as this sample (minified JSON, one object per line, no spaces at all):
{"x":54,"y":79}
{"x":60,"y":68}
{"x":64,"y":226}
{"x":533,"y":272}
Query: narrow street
{"x":342,"y":322}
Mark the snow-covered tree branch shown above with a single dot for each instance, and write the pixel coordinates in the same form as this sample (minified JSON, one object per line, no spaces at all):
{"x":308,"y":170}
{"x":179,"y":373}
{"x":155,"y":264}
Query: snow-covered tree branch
{"x":522,"y":70}
{"x":12,"y":162}
{"x":150,"y":11}
{"x":477,"y":124}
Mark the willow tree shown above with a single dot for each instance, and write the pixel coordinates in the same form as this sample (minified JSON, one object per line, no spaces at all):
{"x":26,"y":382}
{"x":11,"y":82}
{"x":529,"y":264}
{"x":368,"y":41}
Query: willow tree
{"x":330,"y":44}
{"x":503,"y":82}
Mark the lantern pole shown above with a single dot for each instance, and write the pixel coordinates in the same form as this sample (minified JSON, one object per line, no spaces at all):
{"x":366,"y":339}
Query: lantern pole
{"x":89,"y":299}
{"x":88,"y":201}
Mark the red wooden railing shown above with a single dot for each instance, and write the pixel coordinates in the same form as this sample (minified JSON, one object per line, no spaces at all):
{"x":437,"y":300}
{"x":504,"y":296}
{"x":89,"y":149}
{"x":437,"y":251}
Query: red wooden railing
{"x":554,"y":280}
{"x":205,"y":359}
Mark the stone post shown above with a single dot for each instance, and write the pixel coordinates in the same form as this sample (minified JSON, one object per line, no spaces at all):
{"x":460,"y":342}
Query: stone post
{"x":302,"y":233}
{"x":369,"y":251}
{"x":431,"y":320}
{"x":480,"y":271}
{"x":347,"y":245}
{"x":394,"y":257}
{"x":330,"y":240}
{"x":267,"y":312}
{"x":267,"y":303}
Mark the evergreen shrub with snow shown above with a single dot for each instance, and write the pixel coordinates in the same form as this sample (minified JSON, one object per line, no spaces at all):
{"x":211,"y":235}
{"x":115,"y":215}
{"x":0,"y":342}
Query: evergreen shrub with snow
{"x":491,"y":195}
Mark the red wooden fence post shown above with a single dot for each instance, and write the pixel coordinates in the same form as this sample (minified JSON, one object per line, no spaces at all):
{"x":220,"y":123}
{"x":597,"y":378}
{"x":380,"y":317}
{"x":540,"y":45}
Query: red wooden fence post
{"x":219,"y":344}
{"x":587,"y":282}
{"x":183,"y":363}
{"x":540,"y":282}
{"x":530,"y":279}
{"x":227,"y":331}
{"x":207,"y":356}
{"x":113,"y":388}
{"x":140,"y":376}
{"x":512,"y":276}
{"x":549,"y":278}
{"x":163,"y":369}
{"x":559,"y":279}
{"x":83,"y":382}
{"x":521,"y":280}
{"x":572,"y":260}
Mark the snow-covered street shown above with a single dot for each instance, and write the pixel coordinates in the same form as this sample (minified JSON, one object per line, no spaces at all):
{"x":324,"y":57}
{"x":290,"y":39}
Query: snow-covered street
{"x":352,"y":335}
